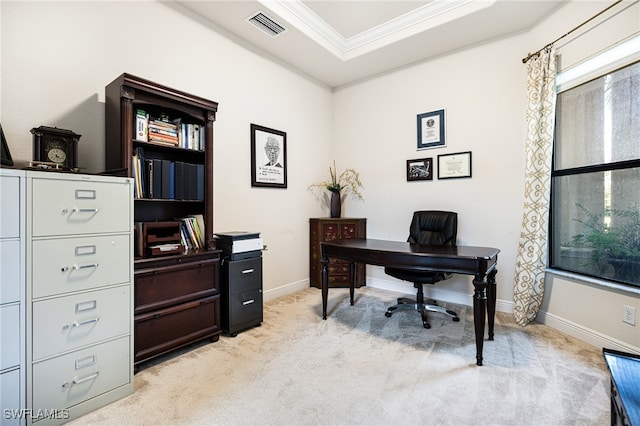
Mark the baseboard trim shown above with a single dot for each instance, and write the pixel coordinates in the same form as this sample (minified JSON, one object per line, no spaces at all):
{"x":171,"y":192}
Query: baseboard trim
{"x":285,"y":290}
{"x":583,"y":333}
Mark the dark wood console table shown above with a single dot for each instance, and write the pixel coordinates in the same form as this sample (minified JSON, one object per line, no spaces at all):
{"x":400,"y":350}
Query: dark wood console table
{"x":477,"y":261}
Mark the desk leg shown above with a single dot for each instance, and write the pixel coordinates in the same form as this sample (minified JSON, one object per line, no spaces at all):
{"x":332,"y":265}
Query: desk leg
{"x":479,"y":313}
{"x":352,"y":281}
{"x":325,"y":285}
{"x":491,"y":300}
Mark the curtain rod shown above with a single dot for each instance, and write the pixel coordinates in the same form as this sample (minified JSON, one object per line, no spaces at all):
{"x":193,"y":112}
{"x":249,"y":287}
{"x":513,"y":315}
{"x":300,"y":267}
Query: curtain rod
{"x":531,"y":55}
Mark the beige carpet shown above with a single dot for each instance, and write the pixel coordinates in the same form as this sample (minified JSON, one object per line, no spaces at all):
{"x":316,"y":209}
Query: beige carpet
{"x":361,"y":368}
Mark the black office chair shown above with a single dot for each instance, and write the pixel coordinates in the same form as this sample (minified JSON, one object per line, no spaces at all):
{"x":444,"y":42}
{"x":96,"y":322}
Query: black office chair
{"x":427,"y":227}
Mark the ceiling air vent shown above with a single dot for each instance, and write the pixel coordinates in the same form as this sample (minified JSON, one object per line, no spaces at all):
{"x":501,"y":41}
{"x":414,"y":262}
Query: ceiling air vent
{"x":266,"y":24}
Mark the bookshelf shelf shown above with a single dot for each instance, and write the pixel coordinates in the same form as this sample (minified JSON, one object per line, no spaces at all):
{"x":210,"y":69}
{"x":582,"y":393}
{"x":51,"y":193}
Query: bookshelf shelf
{"x":174,"y":182}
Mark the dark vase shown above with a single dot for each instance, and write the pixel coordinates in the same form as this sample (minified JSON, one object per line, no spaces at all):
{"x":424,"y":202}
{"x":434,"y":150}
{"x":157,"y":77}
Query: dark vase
{"x":336,"y":204}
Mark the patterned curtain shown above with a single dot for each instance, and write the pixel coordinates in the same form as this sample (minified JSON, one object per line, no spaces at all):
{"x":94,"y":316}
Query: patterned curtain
{"x":532,"y":249}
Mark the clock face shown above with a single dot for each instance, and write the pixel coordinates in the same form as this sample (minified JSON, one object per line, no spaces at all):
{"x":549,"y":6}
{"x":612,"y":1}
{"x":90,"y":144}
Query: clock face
{"x":56,"y":151}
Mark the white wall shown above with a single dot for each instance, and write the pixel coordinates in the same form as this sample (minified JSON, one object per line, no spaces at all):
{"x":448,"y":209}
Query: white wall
{"x":55,"y":66}
{"x":57,"y":57}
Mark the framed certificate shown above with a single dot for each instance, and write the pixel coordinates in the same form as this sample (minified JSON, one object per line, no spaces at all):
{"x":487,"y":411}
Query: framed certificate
{"x":452,"y":166}
{"x":431,"y":129}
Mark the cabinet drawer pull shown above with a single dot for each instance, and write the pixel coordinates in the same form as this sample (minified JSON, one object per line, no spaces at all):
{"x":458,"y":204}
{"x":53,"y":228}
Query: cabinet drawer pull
{"x":81,"y":323}
{"x":85,"y":194}
{"x":247,"y":271}
{"x":91,"y":265}
{"x":86,"y":378}
{"x":248,"y":302}
{"x":76,"y":210}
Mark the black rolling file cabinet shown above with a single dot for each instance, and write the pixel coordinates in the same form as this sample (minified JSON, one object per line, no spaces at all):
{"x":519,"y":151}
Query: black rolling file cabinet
{"x":241,"y":292}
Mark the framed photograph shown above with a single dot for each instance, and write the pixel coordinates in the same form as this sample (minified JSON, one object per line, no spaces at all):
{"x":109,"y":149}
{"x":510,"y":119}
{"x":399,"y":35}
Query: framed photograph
{"x":268,"y":157}
{"x":452,"y":166}
{"x":5,"y":156}
{"x":420,"y":169}
{"x":431,"y":129}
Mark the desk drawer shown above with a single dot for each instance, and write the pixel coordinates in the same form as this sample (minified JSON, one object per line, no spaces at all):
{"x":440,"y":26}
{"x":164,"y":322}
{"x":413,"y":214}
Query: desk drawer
{"x":9,"y":336}
{"x":66,"y":323}
{"x":69,"y":264}
{"x":79,"y":376}
{"x":66,"y":207}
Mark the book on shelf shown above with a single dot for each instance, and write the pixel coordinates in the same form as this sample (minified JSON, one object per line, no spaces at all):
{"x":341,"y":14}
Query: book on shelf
{"x":192,"y":232}
{"x":142,"y":120}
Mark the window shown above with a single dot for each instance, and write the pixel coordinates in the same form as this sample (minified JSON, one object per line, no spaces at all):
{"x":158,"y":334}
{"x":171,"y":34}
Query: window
{"x":595,"y":181}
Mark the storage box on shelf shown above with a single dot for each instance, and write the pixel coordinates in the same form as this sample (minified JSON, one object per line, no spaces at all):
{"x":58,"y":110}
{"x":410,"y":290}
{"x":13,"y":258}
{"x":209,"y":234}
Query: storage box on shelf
{"x":163,"y":138}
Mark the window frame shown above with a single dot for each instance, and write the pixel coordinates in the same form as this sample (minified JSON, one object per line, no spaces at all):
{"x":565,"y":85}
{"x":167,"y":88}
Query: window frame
{"x":594,"y":72}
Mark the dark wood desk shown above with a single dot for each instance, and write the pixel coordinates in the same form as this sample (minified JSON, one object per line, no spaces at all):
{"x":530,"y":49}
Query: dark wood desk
{"x":477,"y":261}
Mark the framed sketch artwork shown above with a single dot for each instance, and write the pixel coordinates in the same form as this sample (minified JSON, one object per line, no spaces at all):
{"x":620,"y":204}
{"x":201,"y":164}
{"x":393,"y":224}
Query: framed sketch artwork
{"x":431,"y":129}
{"x":420,"y":169}
{"x":268,"y":157}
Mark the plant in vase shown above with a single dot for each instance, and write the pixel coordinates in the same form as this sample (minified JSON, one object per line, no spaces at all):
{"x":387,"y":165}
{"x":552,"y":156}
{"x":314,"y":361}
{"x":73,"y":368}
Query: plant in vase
{"x":339,"y":186}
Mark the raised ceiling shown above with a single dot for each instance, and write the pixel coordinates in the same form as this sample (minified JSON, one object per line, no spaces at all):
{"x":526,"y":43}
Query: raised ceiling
{"x":341,"y":42}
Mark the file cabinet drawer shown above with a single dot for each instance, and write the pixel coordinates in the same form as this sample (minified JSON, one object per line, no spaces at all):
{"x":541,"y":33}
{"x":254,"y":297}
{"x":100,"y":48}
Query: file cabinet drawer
{"x":245,"y":275}
{"x":66,"y":323}
{"x":160,"y":331}
{"x":9,"y":398}
{"x":9,"y":336}
{"x":66,"y":207}
{"x":76,"y":377}
{"x":10,"y":217}
{"x":10,"y":271}
{"x":66,"y":265}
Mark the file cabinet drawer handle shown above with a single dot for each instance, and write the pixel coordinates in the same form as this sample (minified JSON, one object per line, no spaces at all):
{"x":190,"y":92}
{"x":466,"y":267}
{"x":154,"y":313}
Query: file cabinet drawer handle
{"x":247,"y":271}
{"x":76,"y":210}
{"x":81,"y":323}
{"x":248,"y":302}
{"x":91,"y":265}
{"x":86,"y":378}
{"x":82,"y":380}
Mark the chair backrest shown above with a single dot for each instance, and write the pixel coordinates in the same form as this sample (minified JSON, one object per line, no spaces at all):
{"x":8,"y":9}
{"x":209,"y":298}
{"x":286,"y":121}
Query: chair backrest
{"x":433,"y":227}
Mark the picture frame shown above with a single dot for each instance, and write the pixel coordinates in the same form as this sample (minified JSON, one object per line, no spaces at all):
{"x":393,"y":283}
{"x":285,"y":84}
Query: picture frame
{"x":268,"y":157}
{"x":431,"y":129}
{"x":5,"y":155}
{"x":420,"y":169}
{"x":454,"y":166}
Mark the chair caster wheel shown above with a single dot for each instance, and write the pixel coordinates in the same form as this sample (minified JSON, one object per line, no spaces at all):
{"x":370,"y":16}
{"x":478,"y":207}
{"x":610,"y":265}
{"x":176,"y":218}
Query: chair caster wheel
{"x":455,"y":319}
{"x":387,"y":314}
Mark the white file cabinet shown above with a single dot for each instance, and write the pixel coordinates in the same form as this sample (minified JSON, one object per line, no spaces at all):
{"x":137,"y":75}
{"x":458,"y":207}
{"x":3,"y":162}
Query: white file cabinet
{"x":12,"y":297}
{"x":79,"y":294}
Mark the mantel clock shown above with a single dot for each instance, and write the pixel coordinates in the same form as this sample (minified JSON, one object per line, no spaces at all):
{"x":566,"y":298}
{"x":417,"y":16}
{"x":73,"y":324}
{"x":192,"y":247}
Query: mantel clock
{"x":54,"y":145}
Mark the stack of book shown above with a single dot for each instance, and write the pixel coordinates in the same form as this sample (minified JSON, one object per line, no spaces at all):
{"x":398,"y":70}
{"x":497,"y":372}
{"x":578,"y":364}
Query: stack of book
{"x":192,"y":232}
{"x":163,"y":132}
